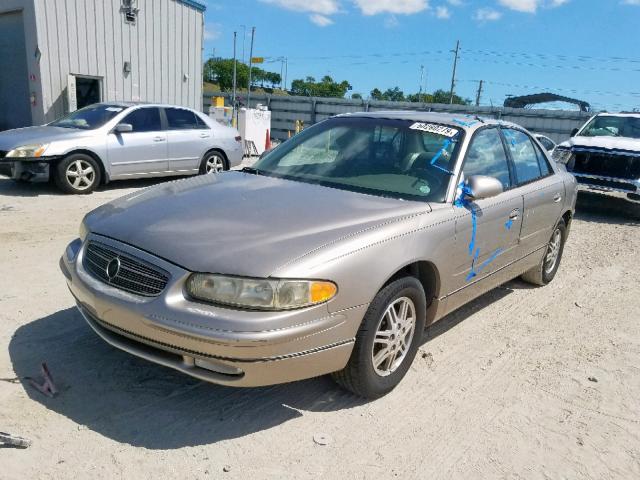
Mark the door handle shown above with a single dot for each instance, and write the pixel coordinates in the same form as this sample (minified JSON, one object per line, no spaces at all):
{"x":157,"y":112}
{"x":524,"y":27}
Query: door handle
{"x":159,"y":139}
{"x":515,"y":214}
{"x":557,"y":198}
{"x":204,"y":135}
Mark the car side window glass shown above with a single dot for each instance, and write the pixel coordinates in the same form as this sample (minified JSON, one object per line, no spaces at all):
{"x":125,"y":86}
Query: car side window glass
{"x":543,"y":163}
{"x":179,"y":119}
{"x":546,"y":144}
{"x":200,"y":123}
{"x":524,"y":155}
{"x":144,"y":120}
{"x":486,"y":156}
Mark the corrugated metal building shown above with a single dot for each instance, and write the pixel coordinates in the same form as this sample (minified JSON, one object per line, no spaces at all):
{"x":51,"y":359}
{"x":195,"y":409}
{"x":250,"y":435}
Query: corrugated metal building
{"x":59,"y":55}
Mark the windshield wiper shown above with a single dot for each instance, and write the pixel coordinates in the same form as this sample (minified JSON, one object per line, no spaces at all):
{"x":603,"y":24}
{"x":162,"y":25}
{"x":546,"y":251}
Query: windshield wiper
{"x":251,"y":170}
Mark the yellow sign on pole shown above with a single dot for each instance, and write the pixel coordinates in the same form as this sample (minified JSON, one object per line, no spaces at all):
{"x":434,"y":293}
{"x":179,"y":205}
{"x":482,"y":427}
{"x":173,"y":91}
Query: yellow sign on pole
{"x":257,"y":59}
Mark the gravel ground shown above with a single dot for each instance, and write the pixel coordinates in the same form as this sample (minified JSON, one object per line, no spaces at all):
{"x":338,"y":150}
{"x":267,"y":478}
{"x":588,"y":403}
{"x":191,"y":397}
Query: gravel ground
{"x":522,"y":383}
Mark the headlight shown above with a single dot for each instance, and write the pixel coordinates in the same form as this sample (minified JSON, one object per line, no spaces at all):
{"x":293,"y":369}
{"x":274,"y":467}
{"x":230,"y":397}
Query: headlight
{"x":84,"y":231}
{"x":27,"y":151}
{"x":261,"y":294}
{"x":562,"y":155}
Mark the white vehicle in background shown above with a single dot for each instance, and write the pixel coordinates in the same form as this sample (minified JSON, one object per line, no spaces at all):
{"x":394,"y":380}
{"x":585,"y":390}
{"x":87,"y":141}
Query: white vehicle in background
{"x":604,"y":155}
{"x":548,"y":144}
{"x":117,"y":140}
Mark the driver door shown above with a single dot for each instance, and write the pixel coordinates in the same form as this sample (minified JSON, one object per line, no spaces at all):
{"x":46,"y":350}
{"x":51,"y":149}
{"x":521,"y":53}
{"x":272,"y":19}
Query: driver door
{"x":142,"y":151}
{"x":482,"y":251}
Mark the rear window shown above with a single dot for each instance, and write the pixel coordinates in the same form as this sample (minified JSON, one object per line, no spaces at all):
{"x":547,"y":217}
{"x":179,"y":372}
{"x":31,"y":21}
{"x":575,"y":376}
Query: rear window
{"x":179,"y":119}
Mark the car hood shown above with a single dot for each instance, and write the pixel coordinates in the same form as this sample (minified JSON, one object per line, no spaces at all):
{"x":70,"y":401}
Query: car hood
{"x":18,"y":137}
{"x":604,"y":143}
{"x":241,"y":224}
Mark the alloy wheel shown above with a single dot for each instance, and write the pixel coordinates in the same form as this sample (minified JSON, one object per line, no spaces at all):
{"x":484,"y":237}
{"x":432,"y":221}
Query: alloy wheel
{"x":393,"y":336}
{"x":553,"y":251}
{"x":80,"y":174}
{"x":214,"y":164}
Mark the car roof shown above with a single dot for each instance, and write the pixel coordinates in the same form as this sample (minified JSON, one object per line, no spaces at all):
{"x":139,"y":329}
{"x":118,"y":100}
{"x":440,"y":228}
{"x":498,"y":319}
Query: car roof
{"x":458,"y":120}
{"x":138,"y":104}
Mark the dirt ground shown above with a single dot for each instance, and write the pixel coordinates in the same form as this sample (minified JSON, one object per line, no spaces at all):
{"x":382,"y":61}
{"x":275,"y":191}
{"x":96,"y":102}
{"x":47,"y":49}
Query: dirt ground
{"x":528,"y":383}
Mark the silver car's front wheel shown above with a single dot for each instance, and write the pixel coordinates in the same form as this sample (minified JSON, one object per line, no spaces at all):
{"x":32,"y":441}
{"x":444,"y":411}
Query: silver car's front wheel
{"x":393,"y":336}
{"x":77,"y":173}
{"x":213,"y":162}
{"x":387,"y":340}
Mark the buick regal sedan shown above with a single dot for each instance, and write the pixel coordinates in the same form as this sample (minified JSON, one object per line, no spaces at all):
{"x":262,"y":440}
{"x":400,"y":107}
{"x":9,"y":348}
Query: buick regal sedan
{"x":330,"y":255}
{"x":113,"y":141}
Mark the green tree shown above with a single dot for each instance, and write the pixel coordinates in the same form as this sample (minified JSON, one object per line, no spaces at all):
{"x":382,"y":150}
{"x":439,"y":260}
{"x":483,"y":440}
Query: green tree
{"x":356,"y":96}
{"x":393,"y":95}
{"x":220,"y":71}
{"x":376,"y":94}
{"x":326,"y":87}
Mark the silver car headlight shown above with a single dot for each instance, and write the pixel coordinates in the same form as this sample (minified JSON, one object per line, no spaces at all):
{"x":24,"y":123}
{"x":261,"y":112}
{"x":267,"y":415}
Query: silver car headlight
{"x":562,"y":155}
{"x":261,"y":294}
{"x":28,"y":151}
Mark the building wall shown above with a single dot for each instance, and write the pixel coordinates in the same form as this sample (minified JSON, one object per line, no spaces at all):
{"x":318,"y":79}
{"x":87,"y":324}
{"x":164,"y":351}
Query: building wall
{"x":91,"y":37}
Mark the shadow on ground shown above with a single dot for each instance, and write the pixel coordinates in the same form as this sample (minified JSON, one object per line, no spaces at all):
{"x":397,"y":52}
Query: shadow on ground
{"x":137,"y":402}
{"x":14,"y":188}
{"x":594,"y":207}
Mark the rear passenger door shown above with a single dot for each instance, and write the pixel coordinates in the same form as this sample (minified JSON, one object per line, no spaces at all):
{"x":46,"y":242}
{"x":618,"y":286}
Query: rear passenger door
{"x":477,"y":257}
{"x":189,"y":138}
{"x":541,"y":190}
{"x":143,"y":151}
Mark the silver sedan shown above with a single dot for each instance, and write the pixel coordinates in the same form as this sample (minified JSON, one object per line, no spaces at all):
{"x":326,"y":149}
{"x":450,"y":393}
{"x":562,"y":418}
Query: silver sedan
{"x":113,"y":141}
{"x":329,"y":256}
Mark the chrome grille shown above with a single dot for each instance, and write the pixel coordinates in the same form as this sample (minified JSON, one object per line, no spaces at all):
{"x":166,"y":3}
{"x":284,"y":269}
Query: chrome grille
{"x":133,"y":275}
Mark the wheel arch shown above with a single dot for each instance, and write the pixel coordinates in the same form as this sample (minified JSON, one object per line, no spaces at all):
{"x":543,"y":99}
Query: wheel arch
{"x":428,"y":275}
{"x":217,"y":150}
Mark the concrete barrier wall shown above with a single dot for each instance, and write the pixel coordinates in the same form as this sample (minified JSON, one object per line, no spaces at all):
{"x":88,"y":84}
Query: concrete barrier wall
{"x":556,"y":124}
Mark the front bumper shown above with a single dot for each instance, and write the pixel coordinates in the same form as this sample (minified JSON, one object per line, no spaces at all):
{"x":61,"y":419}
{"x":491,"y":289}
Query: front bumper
{"x":612,"y":186}
{"x":215,"y":344}
{"x":31,"y":169}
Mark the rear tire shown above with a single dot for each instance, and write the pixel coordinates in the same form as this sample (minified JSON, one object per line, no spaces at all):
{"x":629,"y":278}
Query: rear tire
{"x":548,"y":266}
{"x":78,"y":173}
{"x":213,"y":162}
{"x":386,"y":344}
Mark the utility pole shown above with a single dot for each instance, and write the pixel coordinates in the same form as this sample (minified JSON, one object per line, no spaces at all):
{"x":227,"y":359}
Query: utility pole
{"x":455,"y":65}
{"x":253,"y":33}
{"x":421,"y":78}
{"x":479,"y":94}
{"x":244,"y":37}
{"x":235,"y":76}
{"x":286,"y":67}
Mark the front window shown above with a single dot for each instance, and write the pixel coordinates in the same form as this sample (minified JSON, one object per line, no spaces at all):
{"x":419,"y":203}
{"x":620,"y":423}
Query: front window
{"x":89,"y":118}
{"x":394,"y":158}
{"x":611,"y":126}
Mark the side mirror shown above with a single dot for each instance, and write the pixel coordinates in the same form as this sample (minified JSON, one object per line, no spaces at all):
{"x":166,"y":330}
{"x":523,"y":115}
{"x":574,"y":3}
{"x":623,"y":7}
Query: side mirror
{"x":481,"y":186}
{"x":574,"y":132}
{"x":123,"y":128}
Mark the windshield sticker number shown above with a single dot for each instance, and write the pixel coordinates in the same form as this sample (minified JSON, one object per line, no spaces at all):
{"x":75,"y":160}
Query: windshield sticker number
{"x":433,"y":128}
{"x":113,"y":109}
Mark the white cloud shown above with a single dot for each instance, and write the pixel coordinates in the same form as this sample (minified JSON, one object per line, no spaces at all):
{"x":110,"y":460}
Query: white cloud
{"x":631,"y":2}
{"x":487,"y":15}
{"x":212,"y":31}
{"x":531,"y":6}
{"x":320,"y":7}
{"x":320,"y":20}
{"x":443,"y":12}
{"x":403,"y":7}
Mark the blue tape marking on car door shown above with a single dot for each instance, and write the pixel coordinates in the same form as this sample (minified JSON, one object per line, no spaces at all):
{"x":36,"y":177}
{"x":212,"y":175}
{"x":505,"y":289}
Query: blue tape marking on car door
{"x":508,"y":224}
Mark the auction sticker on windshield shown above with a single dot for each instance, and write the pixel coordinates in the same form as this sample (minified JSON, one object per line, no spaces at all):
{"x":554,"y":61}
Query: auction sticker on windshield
{"x":434,"y":128}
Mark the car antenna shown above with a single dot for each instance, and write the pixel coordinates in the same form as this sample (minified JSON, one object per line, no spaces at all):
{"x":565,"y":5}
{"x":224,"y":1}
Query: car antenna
{"x":479,"y":119}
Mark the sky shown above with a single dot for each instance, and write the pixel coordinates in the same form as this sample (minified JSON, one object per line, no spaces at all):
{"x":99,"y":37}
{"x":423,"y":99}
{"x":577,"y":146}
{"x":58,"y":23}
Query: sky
{"x":585,"y":49}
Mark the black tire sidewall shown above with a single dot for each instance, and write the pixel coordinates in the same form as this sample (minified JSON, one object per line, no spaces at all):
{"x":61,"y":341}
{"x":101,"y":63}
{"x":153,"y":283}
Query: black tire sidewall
{"x":60,"y":176}
{"x":404,"y":287}
{"x":547,"y":277}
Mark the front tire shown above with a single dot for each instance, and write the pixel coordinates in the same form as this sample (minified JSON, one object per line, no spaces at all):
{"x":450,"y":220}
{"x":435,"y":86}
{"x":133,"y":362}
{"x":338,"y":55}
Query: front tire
{"x":213,"y":162}
{"x":544,"y":272}
{"x":387,"y":340}
{"x":78,"y":173}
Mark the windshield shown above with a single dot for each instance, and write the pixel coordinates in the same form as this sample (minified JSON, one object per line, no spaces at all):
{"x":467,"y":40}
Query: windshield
{"x":88,"y":118}
{"x":394,"y":158}
{"x":610,"y":126}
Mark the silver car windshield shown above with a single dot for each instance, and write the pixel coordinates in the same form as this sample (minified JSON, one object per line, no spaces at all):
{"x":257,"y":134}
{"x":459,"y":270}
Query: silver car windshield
{"x":385,"y":157}
{"x":611,"y":126}
{"x":89,"y":118}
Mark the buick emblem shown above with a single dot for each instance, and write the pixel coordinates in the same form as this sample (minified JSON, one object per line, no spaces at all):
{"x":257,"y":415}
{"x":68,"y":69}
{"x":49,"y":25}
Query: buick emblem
{"x":113,"y":267}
